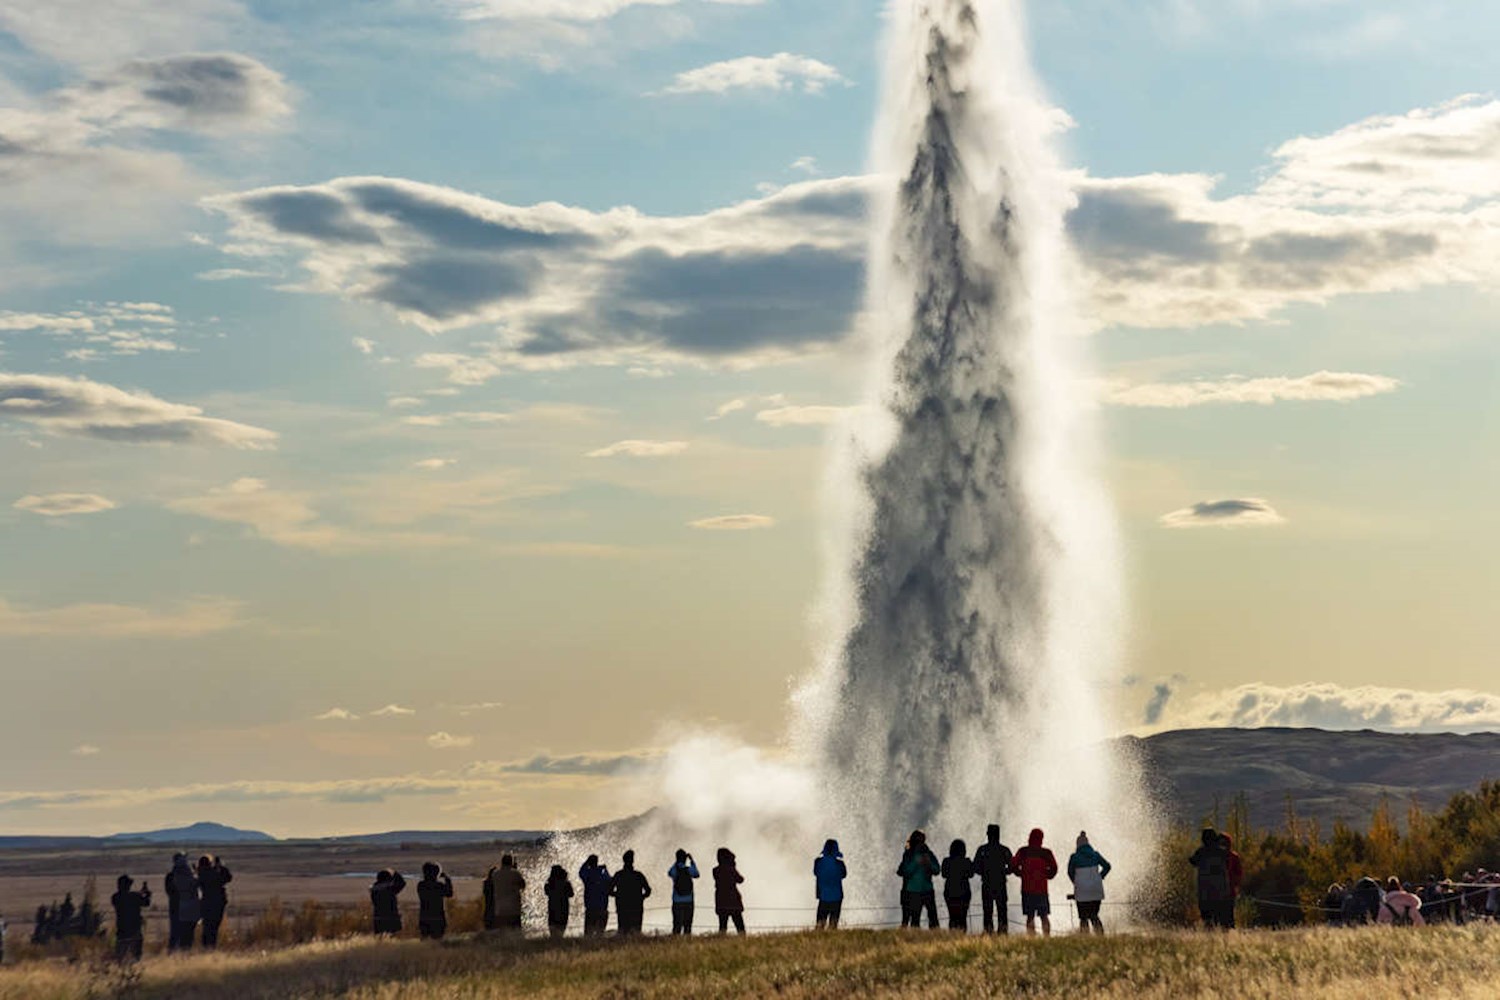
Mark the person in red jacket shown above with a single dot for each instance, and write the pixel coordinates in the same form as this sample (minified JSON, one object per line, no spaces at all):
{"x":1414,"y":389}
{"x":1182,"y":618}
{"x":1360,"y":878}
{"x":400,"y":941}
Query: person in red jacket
{"x":1235,"y":869}
{"x":1036,"y":866}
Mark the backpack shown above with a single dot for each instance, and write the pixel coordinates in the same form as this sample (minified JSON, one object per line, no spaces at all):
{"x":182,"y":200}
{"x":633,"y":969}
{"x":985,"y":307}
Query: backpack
{"x":1213,"y":874}
{"x":1401,"y":919}
{"x":682,"y":881}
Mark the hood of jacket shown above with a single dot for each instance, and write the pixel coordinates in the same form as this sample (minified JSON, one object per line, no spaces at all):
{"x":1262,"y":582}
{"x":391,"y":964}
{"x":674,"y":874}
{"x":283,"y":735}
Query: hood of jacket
{"x":1035,"y":838}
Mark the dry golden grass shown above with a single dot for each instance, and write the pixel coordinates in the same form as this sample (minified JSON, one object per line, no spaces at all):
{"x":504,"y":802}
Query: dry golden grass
{"x":1439,"y":962}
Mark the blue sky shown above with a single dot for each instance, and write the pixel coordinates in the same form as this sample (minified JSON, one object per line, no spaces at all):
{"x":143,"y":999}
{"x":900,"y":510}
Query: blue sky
{"x":367,"y":357}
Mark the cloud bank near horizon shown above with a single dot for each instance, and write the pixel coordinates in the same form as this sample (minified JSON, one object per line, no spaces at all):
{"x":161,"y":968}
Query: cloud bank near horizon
{"x":1325,"y":706}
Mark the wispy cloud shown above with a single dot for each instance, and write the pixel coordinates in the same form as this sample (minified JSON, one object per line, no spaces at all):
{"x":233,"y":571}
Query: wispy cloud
{"x":734,"y":522}
{"x":640,"y":449}
{"x":447,"y":741}
{"x":83,"y":408}
{"x":1248,"y":512}
{"x":1332,"y":706}
{"x":803,"y":416}
{"x":392,"y":711}
{"x":1328,"y":387}
{"x":336,"y":715}
{"x":782,"y":71}
{"x":186,"y":620}
{"x":64,"y":504}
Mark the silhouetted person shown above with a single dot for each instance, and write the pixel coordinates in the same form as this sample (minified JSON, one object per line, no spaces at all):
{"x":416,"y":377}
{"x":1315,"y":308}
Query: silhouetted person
{"x":917,"y":868}
{"x":1333,"y":905}
{"x":385,"y":910}
{"x":187,"y":908}
{"x":957,"y":893}
{"x":559,"y":892}
{"x":130,"y":923}
{"x":507,"y":886}
{"x":1234,"y":868}
{"x":1212,"y":863}
{"x":992,"y":865}
{"x":729,"y":905}
{"x":1400,"y":908}
{"x":681,"y":875}
{"x":1036,"y":866}
{"x":1087,"y":870}
{"x":213,"y":876}
{"x":630,"y":890}
{"x":1365,"y":899}
{"x":433,"y":893}
{"x":595,"y":879}
{"x":829,"y":872}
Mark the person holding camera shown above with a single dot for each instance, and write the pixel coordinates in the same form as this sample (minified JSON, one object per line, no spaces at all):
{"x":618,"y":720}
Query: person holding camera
{"x":682,"y":873}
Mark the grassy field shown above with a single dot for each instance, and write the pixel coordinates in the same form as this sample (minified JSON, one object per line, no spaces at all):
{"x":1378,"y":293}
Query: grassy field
{"x":1442,"y":962}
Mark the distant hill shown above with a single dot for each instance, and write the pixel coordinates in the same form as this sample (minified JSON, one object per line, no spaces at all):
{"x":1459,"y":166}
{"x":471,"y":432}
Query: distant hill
{"x":198,"y":833}
{"x":1327,"y":775}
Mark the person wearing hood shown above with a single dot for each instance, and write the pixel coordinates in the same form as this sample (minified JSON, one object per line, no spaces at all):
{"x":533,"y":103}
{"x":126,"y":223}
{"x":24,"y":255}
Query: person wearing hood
{"x":829,"y":872}
{"x":729,"y":905}
{"x":559,"y":893}
{"x":595,"y":879}
{"x":992,"y":865}
{"x":1087,"y":870}
{"x":1364,"y":902}
{"x":917,"y":868}
{"x":186,"y":907}
{"x":958,"y":870}
{"x":213,"y":877}
{"x":385,"y":912}
{"x":433,"y":893}
{"x":1400,"y":908}
{"x":130,"y":924}
{"x":1234,"y":869}
{"x":1036,"y":865}
{"x":680,"y":876}
{"x":1333,"y":904}
{"x":506,"y":888}
{"x":630,"y":890}
{"x":1212,"y":863}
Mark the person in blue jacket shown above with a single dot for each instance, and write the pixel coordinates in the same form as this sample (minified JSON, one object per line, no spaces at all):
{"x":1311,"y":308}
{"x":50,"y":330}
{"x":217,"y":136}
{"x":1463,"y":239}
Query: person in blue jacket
{"x":1087,"y":870}
{"x":829,"y":873}
{"x":682,"y":874}
{"x":595,"y":879}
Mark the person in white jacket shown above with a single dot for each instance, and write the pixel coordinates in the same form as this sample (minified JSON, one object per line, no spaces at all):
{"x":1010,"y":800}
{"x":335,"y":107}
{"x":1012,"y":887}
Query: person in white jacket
{"x":1087,"y":870}
{"x":1399,"y":908}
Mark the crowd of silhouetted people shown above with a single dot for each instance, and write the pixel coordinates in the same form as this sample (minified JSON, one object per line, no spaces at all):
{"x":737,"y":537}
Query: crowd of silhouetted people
{"x":197,"y":894}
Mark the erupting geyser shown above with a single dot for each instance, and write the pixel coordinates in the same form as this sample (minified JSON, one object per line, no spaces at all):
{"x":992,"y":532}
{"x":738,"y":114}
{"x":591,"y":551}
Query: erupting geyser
{"x":975,"y":607}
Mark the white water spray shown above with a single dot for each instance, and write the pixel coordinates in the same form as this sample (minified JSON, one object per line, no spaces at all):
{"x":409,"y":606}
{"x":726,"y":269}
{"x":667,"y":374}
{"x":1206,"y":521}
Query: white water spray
{"x":975,"y":606}
{"x":972,"y":607}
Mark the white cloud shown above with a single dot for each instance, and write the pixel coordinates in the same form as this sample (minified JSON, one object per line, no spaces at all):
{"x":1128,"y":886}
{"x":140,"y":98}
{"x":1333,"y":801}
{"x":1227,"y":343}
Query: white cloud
{"x":807,"y":165}
{"x":766,"y":280}
{"x":434,"y":464}
{"x":803,"y":416}
{"x":783,"y":71}
{"x":364,"y":345}
{"x":64,"y":504}
{"x":392,"y":711}
{"x":447,"y":741}
{"x":1331,"y":706}
{"x":336,"y":715}
{"x":478,"y":706}
{"x":187,"y":620}
{"x":587,"y":764}
{"x":725,"y":409}
{"x":640,"y":449}
{"x":84,"y":164}
{"x":734,"y":522}
{"x":100,"y":33}
{"x":83,"y":408}
{"x":86,"y":750}
{"x":120,"y":328}
{"x":1335,"y":387}
{"x":1248,"y":512}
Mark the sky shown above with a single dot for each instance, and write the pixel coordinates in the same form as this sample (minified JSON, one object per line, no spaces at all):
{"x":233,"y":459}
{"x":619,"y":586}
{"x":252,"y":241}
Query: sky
{"x":415,"y":414}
